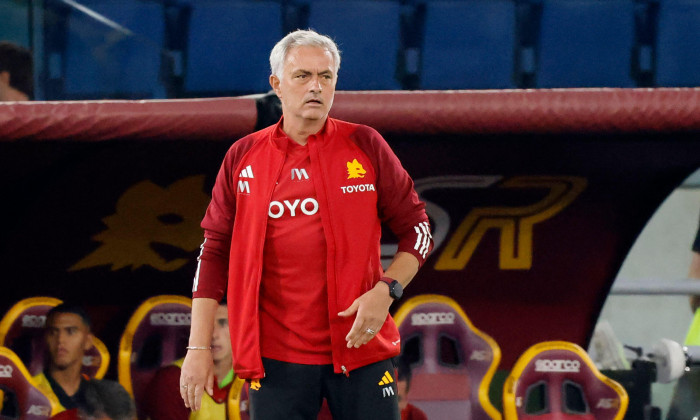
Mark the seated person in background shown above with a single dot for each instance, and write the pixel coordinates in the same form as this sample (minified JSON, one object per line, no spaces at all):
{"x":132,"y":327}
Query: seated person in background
{"x":16,"y":76}
{"x":165,"y":402}
{"x":403,"y":384}
{"x":101,"y":400}
{"x":68,"y":337}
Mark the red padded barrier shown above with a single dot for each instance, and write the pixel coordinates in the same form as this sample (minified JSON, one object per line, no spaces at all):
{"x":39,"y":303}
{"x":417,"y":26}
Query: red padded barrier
{"x":419,"y":112}
{"x":520,"y":111}
{"x":220,"y":118}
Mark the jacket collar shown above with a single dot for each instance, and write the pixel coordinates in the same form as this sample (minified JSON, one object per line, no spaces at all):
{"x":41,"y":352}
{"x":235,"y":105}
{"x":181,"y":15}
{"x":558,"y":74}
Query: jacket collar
{"x":280,"y":139}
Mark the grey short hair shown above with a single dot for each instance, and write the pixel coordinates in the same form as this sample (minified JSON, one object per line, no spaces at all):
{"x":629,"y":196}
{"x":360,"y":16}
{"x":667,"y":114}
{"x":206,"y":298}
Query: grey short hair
{"x":298,"y":38}
{"x":102,"y":398}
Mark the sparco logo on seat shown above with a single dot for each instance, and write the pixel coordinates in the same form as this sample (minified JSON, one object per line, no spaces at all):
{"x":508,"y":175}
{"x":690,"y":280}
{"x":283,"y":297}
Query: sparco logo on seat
{"x":162,"y":318}
{"x":33,"y":321}
{"x":433,"y":318}
{"x":557,"y":365}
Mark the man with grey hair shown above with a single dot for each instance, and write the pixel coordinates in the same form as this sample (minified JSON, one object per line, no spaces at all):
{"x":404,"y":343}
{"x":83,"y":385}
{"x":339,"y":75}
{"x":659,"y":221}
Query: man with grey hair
{"x":106,"y":400}
{"x":292,"y":236}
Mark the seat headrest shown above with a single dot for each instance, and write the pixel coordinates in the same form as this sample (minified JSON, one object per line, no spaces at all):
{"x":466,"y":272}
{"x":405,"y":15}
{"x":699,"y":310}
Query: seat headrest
{"x":443,"y":329}
{"x":156,"y":335}
{"x":14,"y":377}
{"x":452,"y":361}
{"x":565,"y":380}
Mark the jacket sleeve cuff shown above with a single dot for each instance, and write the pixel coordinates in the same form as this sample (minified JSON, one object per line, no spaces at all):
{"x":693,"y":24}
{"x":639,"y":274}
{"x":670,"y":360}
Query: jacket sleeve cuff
{"x":418,"y":243}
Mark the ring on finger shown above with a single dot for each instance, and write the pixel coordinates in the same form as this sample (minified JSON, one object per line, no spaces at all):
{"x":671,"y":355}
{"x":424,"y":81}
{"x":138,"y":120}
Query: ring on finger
{"x":370,"y":331}
{"x":183,"y":386}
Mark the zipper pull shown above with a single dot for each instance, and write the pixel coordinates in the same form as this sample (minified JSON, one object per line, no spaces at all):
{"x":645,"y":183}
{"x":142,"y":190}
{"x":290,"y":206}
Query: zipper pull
{"x":345,"y":371}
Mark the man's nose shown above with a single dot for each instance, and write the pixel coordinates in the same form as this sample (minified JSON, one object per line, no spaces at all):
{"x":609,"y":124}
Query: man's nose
{"x":216,"y":333}
{"x":315,"y":84}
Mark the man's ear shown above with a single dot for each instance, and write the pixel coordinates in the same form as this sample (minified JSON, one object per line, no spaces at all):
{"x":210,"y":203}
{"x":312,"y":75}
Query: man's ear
{"x":89,"y":342}
{"x":275,"y":83}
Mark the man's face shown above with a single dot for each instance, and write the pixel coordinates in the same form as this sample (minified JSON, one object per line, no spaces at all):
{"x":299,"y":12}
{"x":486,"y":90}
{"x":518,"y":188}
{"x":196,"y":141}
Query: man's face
{"x":68,"y":338}
{"x":307,"y":85}
{"x":220,"y":340}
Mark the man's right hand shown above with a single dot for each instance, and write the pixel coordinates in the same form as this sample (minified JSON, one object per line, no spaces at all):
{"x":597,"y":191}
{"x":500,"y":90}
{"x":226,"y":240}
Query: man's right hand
{"x":196,"y":377}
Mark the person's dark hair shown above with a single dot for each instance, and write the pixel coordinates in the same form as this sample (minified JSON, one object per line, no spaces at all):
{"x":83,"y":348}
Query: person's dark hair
{"x":403,"y":371}
{"x":106,"y":398}
{"x":269,"y":109}
{"x":17,"y":61}
{"x":69,"y":308}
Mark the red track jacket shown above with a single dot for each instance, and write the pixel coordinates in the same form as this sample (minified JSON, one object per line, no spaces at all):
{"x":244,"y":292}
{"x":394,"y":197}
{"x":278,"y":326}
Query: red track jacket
{"x":362,"y":184}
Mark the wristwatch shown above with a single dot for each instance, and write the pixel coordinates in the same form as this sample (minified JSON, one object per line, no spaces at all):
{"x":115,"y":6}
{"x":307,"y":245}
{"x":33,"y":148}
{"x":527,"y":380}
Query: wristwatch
{"x":395,"y":288}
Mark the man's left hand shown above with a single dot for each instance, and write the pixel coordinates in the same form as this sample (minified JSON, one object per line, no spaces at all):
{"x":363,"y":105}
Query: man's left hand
{"x":372,"y":309}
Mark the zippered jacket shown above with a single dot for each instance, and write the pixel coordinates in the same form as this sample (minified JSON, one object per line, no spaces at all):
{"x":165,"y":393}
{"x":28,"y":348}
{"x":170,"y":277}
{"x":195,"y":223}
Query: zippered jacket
{"x":361,"y":185}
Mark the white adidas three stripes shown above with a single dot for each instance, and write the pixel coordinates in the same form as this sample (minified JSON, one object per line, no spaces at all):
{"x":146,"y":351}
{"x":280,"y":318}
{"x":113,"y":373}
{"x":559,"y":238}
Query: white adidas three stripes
{"x":423,"y":239}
